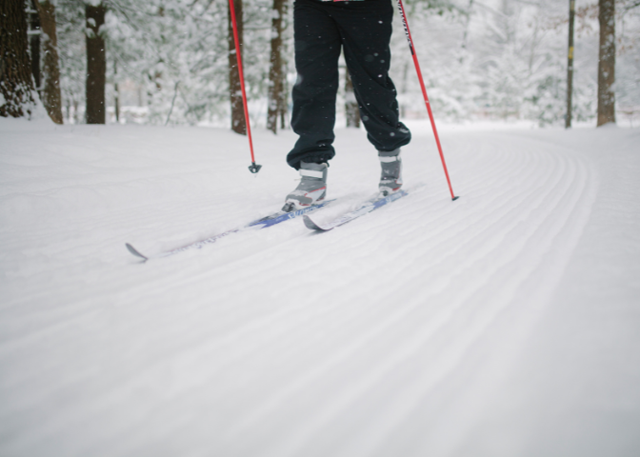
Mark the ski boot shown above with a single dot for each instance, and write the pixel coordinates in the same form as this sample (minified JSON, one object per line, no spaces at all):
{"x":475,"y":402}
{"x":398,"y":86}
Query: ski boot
{"x":312,"y":187}
{"x":391,"y":177}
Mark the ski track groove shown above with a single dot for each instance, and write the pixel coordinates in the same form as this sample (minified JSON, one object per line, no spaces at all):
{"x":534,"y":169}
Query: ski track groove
{"x":395,"y":319}
{"x":448,"y":245}
{"x":345,"y":374}
{"x":269,"y":323}
{"x":480,"y":324}
{"x":581,"y":199}
{"x":280,"y":340}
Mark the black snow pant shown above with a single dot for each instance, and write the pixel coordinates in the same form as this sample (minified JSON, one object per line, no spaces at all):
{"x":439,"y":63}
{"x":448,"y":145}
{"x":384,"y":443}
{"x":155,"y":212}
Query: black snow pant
{"x":363,"y":30}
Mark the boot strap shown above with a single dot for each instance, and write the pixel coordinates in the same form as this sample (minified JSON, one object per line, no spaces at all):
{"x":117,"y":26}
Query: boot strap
{"x":311,"y":173}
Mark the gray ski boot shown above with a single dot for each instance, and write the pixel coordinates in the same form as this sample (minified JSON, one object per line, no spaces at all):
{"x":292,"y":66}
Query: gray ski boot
{"x":312,"y":187}
{"x":391,"y":177}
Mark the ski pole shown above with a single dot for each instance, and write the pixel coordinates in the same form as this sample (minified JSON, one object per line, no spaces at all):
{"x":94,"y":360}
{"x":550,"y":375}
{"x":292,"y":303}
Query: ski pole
{"x":424,"y":93}
{"x":253,"y":168}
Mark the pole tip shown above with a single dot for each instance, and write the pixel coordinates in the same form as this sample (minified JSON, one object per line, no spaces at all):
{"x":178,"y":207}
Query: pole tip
{"x":254,"y":168}
{"x":454,"y":199}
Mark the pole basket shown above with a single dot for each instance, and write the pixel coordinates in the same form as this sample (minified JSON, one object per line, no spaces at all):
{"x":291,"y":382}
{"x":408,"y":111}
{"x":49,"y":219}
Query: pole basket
{"x":253,"y":168}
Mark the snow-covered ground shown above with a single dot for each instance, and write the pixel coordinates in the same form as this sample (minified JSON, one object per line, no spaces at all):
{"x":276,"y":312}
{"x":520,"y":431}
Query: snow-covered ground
{"x":506,"y":323}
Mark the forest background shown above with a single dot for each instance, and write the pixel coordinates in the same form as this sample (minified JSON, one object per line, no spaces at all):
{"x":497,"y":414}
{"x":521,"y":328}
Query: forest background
{"x":172,"y":61}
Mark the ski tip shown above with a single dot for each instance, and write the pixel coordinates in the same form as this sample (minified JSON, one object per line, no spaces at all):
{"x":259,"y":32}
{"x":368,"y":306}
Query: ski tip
{"x":454,"y":199}
{"x":135,"y":252}
{"x":308,"y":222}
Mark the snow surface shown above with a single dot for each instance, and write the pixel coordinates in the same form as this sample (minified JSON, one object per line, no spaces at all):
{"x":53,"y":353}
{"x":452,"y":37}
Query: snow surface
{"x":506,"y":323}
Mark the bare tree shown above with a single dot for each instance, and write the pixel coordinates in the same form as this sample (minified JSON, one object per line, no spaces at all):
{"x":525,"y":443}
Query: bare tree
{"x":351,"y":110}
{"x":277,"y":95}
{"x":34,"y":42}
{"x":238,"y":122}
{"x":607,"y":62}
{"x":572,"y":16}
{"x":16,"y":81}
{"x":116,"y":90}
{"x":96,"y":64}
{"x":50,"y":94}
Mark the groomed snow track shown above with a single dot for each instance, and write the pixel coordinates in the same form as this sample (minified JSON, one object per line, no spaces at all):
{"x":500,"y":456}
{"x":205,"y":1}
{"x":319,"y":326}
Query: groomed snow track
{"x":423,"y":328}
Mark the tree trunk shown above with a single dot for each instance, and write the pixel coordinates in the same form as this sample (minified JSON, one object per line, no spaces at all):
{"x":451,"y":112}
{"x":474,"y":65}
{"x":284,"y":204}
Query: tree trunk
{"x":51,"y":92}
{"x":34,"y":43}
{"x":283,"y":105}
{"x":238,"y":123}
{"x":351,"y":104}
{"x":276,"y":68}
{"x":16,"y":81}
{"x":116,"y":91}
{"x":572,"y":16}
{"x":607,"y":62}
{"x":96,"y":65}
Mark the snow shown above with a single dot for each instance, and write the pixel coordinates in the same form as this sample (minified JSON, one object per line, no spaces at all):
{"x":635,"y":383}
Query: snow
{"x":505,"y":323}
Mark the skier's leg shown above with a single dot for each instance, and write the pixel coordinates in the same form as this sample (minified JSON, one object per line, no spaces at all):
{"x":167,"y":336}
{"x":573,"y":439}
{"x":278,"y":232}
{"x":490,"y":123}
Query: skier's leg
{"x":366,"y":31}
{"x":317,"y":49}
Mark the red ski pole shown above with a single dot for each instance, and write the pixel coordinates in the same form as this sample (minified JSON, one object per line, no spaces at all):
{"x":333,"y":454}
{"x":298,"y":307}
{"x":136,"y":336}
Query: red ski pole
{"x":253,"y":168}
{"x":424,"y":93}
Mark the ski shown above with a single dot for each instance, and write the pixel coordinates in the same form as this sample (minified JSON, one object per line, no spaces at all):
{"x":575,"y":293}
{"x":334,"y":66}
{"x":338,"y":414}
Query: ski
{"x":368,"y":206}
{"x":263,"y":222}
